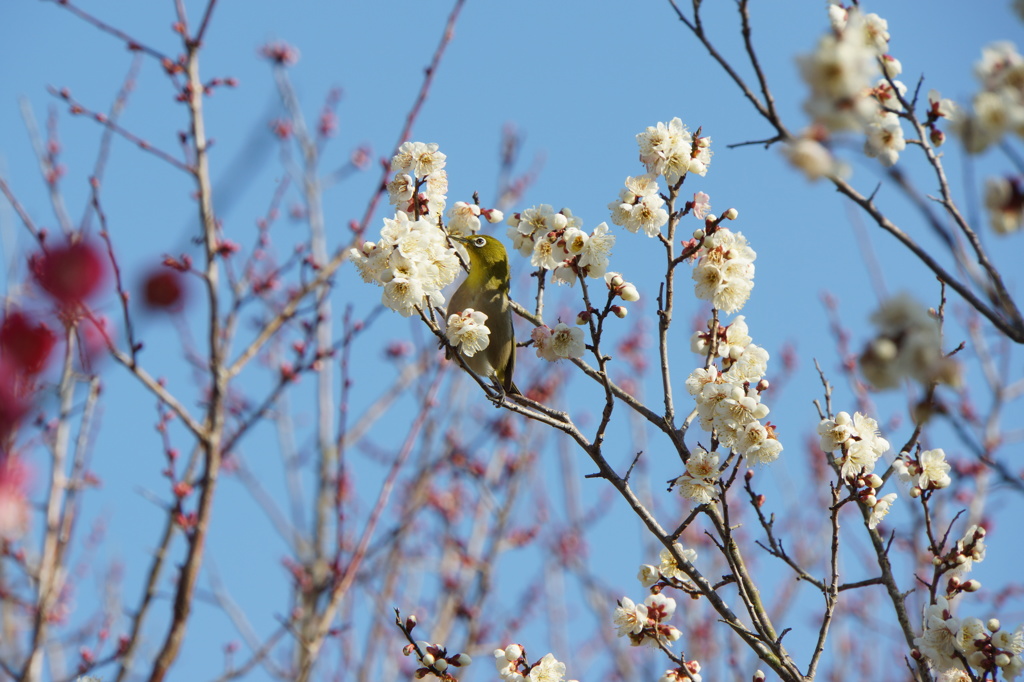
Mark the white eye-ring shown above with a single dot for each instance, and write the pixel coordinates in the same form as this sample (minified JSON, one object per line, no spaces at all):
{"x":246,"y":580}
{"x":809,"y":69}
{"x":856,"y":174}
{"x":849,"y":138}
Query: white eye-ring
{"x":479,"y":242}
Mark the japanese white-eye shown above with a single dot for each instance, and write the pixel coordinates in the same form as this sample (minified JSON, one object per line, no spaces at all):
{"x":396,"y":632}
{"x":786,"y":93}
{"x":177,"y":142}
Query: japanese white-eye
{"x":486,"y":290}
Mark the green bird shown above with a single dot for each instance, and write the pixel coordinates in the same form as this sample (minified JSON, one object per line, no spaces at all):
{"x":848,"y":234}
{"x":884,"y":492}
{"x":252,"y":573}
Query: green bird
{"x":486,"y":290}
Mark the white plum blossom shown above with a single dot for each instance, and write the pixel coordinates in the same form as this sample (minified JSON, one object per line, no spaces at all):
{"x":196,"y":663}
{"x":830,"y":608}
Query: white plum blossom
{"x":758,"y":444}
{"x":1004,"y":200}
{"x":418,"y":159}
{"x":750,"y":365}
{"x":698,"y":483}
{"x":908,"y":344}
{"x":814,"y":159}
{"x":885,"y":139}
{"x":463,"y":219}
{"x":934,"y":469}
{"x":596,"y":251}
{"x":648,"y":575}
{"x":880,"y":509}
{"x":668,"y":567}
{"x":928,"y":471}
{"x":937,"y":641}
{"x":401,"y":189}
{"x":630,"y":618}
{"x":548,"y":669}
{"x":561,"y":342}
{"x":468,"y":331}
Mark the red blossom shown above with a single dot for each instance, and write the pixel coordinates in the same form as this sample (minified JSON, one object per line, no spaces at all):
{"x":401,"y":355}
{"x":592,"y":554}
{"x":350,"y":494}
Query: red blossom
{"x":328,"y":125}
{"x":281,"y":127}
{"x":164,"y":289}
{"x":280,"y":53}
{"x":69,"y":273}
{"x":25,"y":344}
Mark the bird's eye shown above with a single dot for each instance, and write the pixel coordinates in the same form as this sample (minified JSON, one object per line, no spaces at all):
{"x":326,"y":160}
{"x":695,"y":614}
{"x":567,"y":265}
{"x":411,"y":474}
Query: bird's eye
{"x":479,"y":242}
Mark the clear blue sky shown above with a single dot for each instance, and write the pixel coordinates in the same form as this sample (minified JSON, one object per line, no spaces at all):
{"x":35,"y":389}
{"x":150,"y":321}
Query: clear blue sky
{"x":578,"y":79}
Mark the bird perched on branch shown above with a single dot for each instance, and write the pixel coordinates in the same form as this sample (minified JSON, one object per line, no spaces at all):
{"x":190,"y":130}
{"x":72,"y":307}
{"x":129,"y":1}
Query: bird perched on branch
{"x":486,"y":290}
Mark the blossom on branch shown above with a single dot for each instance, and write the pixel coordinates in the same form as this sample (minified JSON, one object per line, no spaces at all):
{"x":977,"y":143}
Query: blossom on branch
{"x":468,"y":331}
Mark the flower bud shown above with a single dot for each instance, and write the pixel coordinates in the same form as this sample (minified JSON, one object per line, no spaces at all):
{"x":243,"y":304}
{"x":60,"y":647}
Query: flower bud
{"x":615,"y":281}
{"x":1002,"y":659}
{"x":710,"y":219}
{"x":513,"y":652}
{"x":915,"y":491}
{"x":410,"y":623}
{"x":937,"y":137}
{"x":461,"y":660}
{"x":582,"y":317}
{"x":698,"y":234}
{"x":628,"y":292}
{"x":493,"y":216}
{"x":874,"y":480}
{"x":427,"y":660}
{"x":731,"y":214}
{"x":440,"y":665}
{"x":971,"y":585}
{"x":870,"y":500}
{"x":619,"y":311}
{"x":759,"y":676}
{"x":993,"y":625}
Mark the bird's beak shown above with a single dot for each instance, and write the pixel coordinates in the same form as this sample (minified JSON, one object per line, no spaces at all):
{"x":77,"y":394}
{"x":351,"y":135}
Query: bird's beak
{"x":461,"y":240}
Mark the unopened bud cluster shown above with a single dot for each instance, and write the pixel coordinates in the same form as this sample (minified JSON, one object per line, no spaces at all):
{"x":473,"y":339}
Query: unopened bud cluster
{"x":434,"y":659}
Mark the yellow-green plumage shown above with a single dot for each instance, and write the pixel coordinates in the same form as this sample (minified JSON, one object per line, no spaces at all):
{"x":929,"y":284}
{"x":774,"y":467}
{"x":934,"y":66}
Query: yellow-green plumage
{"x":486,"y":290}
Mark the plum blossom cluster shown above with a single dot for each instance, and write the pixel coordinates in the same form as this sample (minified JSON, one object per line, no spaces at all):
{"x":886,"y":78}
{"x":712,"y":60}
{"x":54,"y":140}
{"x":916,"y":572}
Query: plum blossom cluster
{"x":860,"y":445}
{"x":928,"y":471}
{"x":468,"y":332}
{"x":420,"y":185}
{"x":670,"y":151}
{"x":986,"y":645}
{"x":724,"y":272}
{"x":513,"y":667}
{"x":1004,"y":199}
{"x":640,"y":206}
{"x":412,"y":262}
{"x":435,"y":660}
{"x":908,"y":344}
{"x":555,"y":241}
{"x":647,"y":623}
{"x":846,"y":93}
{"x":998,"y":108}
{"x":729,"y":402}
{"x":842,"y":67}
{"x":858,"y":440}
